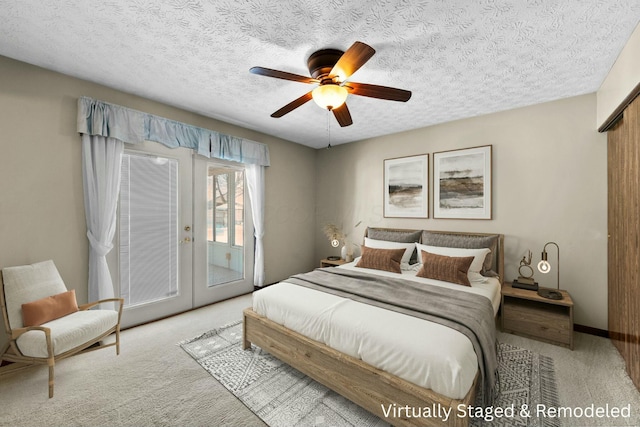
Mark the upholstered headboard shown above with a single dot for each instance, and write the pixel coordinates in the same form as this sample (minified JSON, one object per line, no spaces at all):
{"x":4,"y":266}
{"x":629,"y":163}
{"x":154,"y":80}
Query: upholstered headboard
{"x":455,"y":239}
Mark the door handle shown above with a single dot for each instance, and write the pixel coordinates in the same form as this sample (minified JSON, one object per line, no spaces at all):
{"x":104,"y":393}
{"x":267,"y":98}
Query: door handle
{"x":186,"y":239}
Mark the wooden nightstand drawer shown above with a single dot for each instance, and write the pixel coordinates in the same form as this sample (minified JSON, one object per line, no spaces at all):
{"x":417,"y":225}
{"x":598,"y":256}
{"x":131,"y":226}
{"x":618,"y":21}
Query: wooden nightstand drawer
{"x":526,"y":313}
{"x":546,"y":333}
{"x":517,"y":309}
{"x":541,"y":323}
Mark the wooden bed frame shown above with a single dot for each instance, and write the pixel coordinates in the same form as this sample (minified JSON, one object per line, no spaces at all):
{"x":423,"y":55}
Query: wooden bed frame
{"x":369,"y":387}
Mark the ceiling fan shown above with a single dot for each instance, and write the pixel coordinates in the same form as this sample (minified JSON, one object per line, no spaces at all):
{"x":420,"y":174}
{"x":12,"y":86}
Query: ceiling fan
{"x":330,"y":69}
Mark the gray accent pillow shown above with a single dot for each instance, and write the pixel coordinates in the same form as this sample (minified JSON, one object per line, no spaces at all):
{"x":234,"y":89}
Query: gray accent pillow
{"x":465,"y":241}
{"x":399,"y":236}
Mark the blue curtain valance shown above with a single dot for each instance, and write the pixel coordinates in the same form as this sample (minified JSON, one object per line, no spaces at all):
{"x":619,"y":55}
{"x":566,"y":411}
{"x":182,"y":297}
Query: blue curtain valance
{"x":132,"y":126}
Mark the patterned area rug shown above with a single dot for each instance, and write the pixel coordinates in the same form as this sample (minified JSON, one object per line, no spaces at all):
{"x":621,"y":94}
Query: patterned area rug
{"x":282,"y":396}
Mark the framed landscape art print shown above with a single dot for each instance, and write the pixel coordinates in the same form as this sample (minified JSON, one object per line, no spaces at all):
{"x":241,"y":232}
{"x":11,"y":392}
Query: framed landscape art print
{"x":406,"y":187}
{"x":462,"y":183}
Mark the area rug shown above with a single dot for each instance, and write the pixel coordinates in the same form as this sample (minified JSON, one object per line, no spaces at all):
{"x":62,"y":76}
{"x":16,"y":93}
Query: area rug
{"x":282,"y":396}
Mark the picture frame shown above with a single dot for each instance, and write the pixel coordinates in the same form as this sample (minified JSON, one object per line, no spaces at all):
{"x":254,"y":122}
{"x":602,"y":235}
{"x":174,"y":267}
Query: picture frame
{"x":406,"y":187}
{"x":462,"y":183}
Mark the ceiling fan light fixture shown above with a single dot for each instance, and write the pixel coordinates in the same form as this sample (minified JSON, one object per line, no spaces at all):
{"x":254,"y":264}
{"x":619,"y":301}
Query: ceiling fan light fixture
{"x":329,"y":96}
{"x":331,"y":69}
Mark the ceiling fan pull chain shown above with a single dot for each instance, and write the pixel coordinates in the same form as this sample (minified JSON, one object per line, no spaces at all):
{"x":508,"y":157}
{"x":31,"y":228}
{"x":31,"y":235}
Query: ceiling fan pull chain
{"x":329,"y":128}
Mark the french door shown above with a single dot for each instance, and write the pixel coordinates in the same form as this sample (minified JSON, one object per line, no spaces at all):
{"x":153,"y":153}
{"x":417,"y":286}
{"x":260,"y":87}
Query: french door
{"x":174,"y":248}
{"x":223,"y":251}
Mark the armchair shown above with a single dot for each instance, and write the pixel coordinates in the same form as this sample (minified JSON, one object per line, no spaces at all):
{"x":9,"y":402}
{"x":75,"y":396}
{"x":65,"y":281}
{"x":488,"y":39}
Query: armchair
{"x":56,"y":339}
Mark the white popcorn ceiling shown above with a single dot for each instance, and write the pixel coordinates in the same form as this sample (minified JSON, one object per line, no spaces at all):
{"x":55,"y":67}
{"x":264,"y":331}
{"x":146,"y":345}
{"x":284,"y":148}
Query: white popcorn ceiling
{"x":460,"y":58}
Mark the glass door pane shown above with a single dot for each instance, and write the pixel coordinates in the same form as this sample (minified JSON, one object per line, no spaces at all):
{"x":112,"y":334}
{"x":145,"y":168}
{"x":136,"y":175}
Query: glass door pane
{"x":223,"y":231}
{"x":225,"y":220}
{"x":148,"y":229}
{"x":239,"y":210}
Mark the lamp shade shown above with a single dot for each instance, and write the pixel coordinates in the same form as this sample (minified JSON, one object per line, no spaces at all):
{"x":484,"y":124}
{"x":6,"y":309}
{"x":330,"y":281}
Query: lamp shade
{"x":329,"y":96}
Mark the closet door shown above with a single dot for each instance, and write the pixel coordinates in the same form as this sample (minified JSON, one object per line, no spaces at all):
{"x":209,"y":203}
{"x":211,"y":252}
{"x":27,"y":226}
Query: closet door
{"x":624,"y":237}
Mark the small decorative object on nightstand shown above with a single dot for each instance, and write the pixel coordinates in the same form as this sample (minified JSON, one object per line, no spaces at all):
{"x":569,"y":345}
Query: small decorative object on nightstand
{"x":528,"y":314}
{"x":334,"y":234}
{"x":525,"y":280}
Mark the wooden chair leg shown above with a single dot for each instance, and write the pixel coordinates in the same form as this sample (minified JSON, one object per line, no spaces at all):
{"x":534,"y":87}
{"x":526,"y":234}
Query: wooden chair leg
{"x":118,"y":340}
{"x":51,"y":364}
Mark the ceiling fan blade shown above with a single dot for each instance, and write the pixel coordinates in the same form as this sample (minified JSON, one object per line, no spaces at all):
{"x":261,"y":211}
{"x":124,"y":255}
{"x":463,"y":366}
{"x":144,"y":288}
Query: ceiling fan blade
{"x":281,"y":75}
{"x":342,"y":115}
{"x":292,"y":105}
{"x":380,"y":92}
{"x":354,"y":58}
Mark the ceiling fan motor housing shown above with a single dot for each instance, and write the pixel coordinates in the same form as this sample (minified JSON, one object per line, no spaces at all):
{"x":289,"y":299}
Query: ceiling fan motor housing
{"x":321,"y":62}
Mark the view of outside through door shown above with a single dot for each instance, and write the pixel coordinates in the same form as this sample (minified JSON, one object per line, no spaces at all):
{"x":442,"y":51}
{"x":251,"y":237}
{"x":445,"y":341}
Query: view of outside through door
{"x":225,"y":225}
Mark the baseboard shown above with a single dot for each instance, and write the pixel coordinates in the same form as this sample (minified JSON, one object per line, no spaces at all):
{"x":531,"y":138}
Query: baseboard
{"x":591,"y":331}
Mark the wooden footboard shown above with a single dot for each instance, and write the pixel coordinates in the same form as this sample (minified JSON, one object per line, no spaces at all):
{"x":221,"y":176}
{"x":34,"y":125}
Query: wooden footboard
{"x":371,"y":388}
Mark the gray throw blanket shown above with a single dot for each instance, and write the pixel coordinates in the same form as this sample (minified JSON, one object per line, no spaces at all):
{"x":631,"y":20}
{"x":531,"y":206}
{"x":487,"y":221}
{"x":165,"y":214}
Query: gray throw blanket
{"x":470,"y":314}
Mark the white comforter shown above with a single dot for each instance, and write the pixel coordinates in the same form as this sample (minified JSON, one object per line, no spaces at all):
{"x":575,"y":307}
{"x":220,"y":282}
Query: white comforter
{"x":422,"y":352}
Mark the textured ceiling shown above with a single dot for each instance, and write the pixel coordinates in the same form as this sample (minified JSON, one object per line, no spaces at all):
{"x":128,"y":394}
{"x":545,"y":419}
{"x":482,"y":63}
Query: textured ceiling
{"x":460,"y":58}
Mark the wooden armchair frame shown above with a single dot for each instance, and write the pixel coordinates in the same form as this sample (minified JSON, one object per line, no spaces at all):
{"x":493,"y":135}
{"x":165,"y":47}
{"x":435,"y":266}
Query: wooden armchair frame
{"x":12,"y":353}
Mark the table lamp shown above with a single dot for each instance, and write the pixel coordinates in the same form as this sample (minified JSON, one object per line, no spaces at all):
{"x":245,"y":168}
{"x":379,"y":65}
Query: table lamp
{"x":544,"y":267}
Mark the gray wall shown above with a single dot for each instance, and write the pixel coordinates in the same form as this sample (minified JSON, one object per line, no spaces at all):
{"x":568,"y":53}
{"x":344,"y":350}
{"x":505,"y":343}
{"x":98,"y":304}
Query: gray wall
{"x":549,"y":171}
{"x":549,"y":184}
{"x":41,"y":203}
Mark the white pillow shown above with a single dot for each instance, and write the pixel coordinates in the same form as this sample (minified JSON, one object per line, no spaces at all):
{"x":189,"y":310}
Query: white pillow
{"x":476,"y":265}
{"x":383,"y":244}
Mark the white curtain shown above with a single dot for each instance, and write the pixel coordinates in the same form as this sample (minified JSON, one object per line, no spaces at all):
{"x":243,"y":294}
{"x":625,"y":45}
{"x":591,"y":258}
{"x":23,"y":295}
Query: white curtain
{"x":104,"y":127}
{"x":101,"y":164}
{"x":255,"y":184}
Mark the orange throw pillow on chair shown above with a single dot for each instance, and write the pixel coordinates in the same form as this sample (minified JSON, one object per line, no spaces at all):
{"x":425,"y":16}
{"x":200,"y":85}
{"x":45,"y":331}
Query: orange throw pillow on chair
{"x":41,"y":311}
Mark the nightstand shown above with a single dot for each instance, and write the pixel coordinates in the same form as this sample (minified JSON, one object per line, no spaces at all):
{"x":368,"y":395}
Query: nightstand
{"x":331,"y":263}
{"x":528,"y":314}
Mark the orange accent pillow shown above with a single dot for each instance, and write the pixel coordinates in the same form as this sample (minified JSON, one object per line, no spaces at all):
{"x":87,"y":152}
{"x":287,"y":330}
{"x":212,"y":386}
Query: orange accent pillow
{"x":445,"y":268}
{"x":381,"y":259}
{"x":41,"y":311}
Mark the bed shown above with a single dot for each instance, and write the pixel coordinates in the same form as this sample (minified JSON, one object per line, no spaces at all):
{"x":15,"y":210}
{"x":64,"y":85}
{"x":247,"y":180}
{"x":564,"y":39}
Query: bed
{"x":380,"y":358}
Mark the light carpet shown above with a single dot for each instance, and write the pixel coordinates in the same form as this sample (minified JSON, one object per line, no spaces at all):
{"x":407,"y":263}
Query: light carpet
{"x":282,"y":396}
